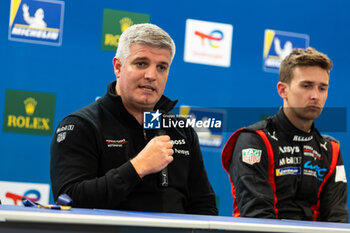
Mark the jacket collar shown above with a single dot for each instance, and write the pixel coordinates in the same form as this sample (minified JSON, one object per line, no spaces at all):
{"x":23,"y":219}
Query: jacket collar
{"x":114,"y":102}
{"x":292,"y":133}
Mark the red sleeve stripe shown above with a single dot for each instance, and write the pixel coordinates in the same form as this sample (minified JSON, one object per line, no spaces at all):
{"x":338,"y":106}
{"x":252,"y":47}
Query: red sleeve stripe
{"x":226,"y":154}
{"x":271,"y":170}
{"x":226,"y":157}
{"x":335,"y":154}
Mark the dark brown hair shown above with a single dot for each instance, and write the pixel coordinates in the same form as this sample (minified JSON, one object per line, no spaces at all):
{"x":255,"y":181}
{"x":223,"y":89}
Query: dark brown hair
{"x":303,"y":57}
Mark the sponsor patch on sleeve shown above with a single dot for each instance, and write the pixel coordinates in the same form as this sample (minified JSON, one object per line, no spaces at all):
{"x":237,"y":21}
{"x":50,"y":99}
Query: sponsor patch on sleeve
{"x":251,"y":156}
{"x":340,"y":175}
{"x":61,"y":136}
{"x":62,"y":132}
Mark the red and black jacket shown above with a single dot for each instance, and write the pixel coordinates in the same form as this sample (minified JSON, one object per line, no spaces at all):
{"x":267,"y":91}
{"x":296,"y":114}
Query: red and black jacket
{"x":278,"y":171}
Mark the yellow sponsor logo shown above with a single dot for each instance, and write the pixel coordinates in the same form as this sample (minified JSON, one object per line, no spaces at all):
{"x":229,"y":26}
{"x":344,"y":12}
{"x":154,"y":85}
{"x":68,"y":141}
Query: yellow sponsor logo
{"x":30,"y":104}
{"x":113,"y":40}
{"x":28,"y":122}
{"x":29,"y":112}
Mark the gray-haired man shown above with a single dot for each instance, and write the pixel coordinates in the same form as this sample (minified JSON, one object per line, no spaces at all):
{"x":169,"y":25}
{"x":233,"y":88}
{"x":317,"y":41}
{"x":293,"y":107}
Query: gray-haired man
{"x":103,"y":158}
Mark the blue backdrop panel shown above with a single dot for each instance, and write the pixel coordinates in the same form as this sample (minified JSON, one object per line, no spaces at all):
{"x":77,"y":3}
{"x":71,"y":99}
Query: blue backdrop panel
{"x":78,"y":70}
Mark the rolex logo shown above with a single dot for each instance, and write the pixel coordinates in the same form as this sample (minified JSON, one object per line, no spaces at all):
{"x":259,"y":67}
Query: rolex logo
{"x":30,"y":104}
{"x":125,"y":23}
{"x":23,"y":115}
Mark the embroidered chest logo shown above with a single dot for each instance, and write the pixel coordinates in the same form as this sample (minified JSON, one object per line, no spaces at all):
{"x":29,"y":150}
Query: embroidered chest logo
{"x":297,"y":138}
{"x":324,"y":146}
{"x":289,"y":149}
{"x":290,"y":161}
{"x":116,"y":143}
{"x":251,"y":156}
{"x":309,"y":151}
{"x":314,"y":170}
{"x":273,"y":135}
{"x":179,"y":142}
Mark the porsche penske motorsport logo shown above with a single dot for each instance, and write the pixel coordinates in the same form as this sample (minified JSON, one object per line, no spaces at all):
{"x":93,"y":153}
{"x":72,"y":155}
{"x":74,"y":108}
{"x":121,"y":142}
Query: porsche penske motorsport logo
{"x":116,"y":142}
{"x":309,"y":151}
{"x":36,"y":21}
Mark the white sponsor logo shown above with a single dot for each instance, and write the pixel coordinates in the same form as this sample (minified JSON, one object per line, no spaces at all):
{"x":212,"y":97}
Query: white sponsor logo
{"x":273,"y":135}
{"x":324,"y":145}
{"x":310,"y":173}
{"x":340,"y":175}
{"x":61,"y":136}
{"x":183,"y":152}
{"x":289,"y":149}
{"x":210,"y":140}
{"x":178,"y":142}
{"x":65,"y":128}
{"x":11,"y":193}
{"x":208,"y":43}
{"x":290,"y":160}
{"x":297,"y":138}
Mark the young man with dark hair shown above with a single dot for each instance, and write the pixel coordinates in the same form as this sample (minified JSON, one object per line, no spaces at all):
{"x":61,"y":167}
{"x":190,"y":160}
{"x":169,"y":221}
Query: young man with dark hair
{"x":283,"y":167}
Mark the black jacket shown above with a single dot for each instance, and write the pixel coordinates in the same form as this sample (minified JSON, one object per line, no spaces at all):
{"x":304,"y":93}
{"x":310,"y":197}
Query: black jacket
{"x":302,"y":178}
{"x":90,"y":161}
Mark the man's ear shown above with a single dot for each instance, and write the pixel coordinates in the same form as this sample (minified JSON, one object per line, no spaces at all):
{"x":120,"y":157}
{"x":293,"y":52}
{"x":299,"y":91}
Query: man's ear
{"x":117,"y":66}
{"x":282,"y":89}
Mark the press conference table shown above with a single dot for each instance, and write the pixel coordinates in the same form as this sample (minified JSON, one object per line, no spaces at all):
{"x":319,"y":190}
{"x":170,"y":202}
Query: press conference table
{"x":28,"y":219}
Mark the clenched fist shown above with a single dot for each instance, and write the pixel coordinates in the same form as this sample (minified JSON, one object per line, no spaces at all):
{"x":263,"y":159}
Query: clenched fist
{"x":156,"y":155}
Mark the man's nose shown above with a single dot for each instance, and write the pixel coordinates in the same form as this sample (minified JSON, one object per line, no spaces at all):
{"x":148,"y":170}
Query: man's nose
{"x":151,"y":73}
{"x":315,"y":94}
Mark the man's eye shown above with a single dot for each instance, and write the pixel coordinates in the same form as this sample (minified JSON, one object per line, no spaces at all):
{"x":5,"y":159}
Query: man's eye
{"x":140,"y":64}
{"x":162,"y":68}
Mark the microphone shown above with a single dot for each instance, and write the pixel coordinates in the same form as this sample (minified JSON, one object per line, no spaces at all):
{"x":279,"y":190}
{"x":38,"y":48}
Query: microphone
{"x":163,"y":175}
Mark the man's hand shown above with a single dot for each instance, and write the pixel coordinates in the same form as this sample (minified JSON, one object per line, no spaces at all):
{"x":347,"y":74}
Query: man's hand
{"x":156,"y":155}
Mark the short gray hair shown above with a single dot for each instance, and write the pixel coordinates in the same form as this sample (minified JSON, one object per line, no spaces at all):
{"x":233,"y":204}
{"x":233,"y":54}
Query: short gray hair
{"x":145,"y":33}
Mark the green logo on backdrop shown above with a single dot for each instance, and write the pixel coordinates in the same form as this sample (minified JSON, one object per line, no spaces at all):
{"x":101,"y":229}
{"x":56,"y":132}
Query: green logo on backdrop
{"x":29,"y":112}
{"x":115,"y":22}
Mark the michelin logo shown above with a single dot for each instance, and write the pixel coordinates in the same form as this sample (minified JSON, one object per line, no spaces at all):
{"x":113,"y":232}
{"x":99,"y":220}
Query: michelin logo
{"x":36,"y":21}
{"x":278,"y":45}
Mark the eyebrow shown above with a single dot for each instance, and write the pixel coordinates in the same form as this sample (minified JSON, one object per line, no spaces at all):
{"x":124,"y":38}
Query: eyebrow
{"x":312,"y":83}
{"x":147,"y":59}
{"x":141,"y":59}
